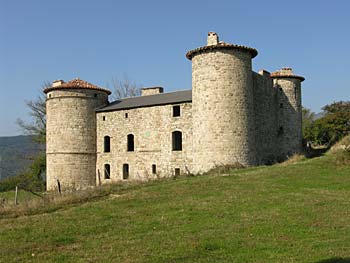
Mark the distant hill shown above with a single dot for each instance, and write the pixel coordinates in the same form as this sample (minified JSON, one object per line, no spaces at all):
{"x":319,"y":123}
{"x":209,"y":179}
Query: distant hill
{"x":15,"y":154}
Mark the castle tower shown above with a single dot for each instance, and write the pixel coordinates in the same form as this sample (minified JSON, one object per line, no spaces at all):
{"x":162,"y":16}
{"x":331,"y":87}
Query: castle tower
{"x":289,"y":130}
{"x":71,"y":133}
{"x":222,"y":105}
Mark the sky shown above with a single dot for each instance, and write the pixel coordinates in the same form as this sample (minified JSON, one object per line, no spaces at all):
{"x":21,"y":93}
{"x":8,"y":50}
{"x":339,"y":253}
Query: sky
{"x":43,"y":40}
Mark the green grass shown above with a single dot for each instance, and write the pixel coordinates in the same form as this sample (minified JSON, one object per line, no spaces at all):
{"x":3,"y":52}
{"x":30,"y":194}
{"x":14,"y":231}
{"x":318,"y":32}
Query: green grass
{"x":283,"y":213}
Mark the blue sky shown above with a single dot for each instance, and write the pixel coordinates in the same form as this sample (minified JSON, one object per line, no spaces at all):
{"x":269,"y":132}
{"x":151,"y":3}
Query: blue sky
{"x":147,"y":41}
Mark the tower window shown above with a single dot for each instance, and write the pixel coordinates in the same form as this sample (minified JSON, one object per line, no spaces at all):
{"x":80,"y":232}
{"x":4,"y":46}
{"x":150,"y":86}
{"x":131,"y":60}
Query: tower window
{"x":176,"y":111}
{"x":177,"y":171}
{"x":154,"y":169}
{"x":107,"y":144}
{"x":103,"y":118}
{"x":107,"y":171}
{"x":281,"y":105}
{"x":95,"y":95}
{"x":280,"y":130}
{"x":126,"y":115}
{"x":125,"y":171}
{"x":131,"y":143}
{"x":177,"y":140}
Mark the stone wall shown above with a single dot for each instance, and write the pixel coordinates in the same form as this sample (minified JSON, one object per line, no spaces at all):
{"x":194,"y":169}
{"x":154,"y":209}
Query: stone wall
{"x":290,"y":116}
{"x":266,"y":108}
{"x":223,"y":109}
{"x":152,"y":128}
{"x":71,"y":137}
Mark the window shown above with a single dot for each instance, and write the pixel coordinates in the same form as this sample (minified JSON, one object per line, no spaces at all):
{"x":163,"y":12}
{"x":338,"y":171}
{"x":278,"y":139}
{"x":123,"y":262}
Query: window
{"x":130,"y":142}
{"x":176,"y":111}
{"x":280,"y":131}
{"x":95,"y":95}
{"x":107,"y":144}
{"x":154,"y":169}
{"x":126,"y":115}
{"x":281,"y":105}
{"x":107,"y":171}
{"x":125,"y":171}
{"x":177,"y":171}
{"x":103,"y":118}
{"x":177,"y":140}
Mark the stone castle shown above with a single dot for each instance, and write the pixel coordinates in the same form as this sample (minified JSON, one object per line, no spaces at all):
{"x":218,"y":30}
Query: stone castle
{"x":231,"y":116}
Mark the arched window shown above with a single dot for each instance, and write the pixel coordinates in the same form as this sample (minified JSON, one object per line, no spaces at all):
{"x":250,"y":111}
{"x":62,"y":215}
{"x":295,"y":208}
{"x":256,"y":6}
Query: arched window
{"x":130,"y":142}
{"x":177,"y":140}
{"x":125,"y":171}
{"x":107,"y":171}
{"x":107,"y":144}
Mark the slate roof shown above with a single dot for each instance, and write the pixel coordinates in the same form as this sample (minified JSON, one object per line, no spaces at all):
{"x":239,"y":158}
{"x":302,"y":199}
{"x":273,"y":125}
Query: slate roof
{"x":76,"y":84}
{"x":150,"y":100}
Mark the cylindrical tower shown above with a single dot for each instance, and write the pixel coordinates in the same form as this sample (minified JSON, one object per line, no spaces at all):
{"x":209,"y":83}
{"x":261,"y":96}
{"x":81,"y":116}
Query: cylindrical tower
{"x":289,"y":130}
{"x":222,"y":105}
{"x":71,"y":133}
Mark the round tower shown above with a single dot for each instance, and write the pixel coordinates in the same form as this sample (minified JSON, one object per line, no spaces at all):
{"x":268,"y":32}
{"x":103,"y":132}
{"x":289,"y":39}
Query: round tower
{"x":71,"y":133}
{"x":289,"y":130}
{"x":222,"y":105}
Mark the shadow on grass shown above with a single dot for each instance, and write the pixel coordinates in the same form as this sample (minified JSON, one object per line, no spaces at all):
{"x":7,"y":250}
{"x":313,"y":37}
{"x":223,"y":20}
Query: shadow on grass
{"x":335,"y":260}
{"x":312,"y":153}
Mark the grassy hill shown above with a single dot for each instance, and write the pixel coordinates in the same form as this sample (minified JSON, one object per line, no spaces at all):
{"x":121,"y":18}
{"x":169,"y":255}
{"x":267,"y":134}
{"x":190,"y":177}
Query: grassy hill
{"x":15,"y":154}
{"x":297,"y":212}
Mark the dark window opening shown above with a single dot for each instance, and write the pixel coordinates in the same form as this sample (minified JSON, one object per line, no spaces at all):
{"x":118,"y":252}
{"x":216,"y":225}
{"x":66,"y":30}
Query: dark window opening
{"x":177,"y":171}
{"x":281,"y":105}
{"x":107,"y":144}
{"x":95,"y":95}
{"x":103,"y":118}
{"x":49,"y":95}
{"x":154,"y":169}
{"x":280,"y":130}
{"x":177,"y":140}
{"x":280,"y":89}
{"x":176,"y":111}
{"x":107,"y":171}
{"x":125,"y":171}
{"x":131,"y":143}
{"x":126,"y":115}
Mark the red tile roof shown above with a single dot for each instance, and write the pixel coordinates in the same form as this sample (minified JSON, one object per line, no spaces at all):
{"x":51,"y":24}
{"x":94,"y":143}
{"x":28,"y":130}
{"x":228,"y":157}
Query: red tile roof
{"x":221,"y":45}
{"x":286,"y":73}
{"x":76,"y":84}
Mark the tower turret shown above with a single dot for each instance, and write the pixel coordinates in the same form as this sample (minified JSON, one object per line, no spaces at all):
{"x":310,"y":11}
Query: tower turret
{"x":222,"y":105}
{"x":289,"y":130}
{"x":71,"y":133}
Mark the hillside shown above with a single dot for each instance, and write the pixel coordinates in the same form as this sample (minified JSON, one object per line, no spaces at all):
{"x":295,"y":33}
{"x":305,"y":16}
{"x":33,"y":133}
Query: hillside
{"x":296,"y":212}
{"x":15,"y":154}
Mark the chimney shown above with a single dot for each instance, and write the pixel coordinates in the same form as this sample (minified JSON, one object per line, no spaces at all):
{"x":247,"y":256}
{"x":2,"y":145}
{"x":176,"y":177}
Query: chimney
{"x":213,"y":39}
{"x":57,"y":83}
{"x":151,"y":91}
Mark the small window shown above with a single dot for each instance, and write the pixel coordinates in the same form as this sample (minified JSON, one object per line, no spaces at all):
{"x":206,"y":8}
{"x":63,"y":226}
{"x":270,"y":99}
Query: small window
{"x":49,"y":95}
{"x":176,"y":111}
{"x":125,"y":171}
{"x":177,"y":171}
{"x":131,"y":143}
{"x":154,"y":169}
{"x":280,"y":130}
{"x":126,"y":115}
{"x":280,"y":89}
{"x":95,"y":95}
{"x":177,"y":140}
{"x":107,"y":171}
{"x":107,"y":144}
{"x":281,"y":105}
{"x":103,"y":118}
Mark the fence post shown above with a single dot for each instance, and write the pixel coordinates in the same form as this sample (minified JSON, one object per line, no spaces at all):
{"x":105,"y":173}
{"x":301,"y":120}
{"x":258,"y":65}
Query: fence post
{"x":16,"y":195}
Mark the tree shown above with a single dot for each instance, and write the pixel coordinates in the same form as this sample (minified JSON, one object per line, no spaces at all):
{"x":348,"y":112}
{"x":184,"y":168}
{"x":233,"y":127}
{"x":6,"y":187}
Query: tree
{"x":124,"y":88}
{"x":334,"y":125}
{"x":308,"y":118}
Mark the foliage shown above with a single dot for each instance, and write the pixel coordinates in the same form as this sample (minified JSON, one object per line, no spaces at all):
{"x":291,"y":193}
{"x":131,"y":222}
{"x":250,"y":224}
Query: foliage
{"x":292,"y":213}
{"x":332,"y":127}
{"x":308,"y":118}
{"x":31,"y":179}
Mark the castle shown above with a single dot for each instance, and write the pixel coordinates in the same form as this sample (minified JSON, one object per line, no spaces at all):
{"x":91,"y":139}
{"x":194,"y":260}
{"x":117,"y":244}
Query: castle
{"x":231,"y":116}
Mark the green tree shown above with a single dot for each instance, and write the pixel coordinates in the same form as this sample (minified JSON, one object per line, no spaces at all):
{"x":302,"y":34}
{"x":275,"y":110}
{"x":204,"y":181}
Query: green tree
{"x":308,"y":118}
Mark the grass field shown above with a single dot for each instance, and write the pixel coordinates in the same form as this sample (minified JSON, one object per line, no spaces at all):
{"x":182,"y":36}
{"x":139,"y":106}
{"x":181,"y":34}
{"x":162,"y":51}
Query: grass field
{"x":299,"y":212}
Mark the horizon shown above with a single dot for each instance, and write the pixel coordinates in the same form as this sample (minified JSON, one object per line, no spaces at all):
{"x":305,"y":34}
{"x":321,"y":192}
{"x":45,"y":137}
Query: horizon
{"x":41,"y":42}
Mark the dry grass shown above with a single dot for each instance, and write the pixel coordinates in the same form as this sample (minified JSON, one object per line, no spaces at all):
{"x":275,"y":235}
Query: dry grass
{"x":293,"y":159}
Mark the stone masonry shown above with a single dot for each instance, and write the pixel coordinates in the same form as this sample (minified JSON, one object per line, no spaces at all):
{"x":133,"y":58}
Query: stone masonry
{"x":232,"y":116}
